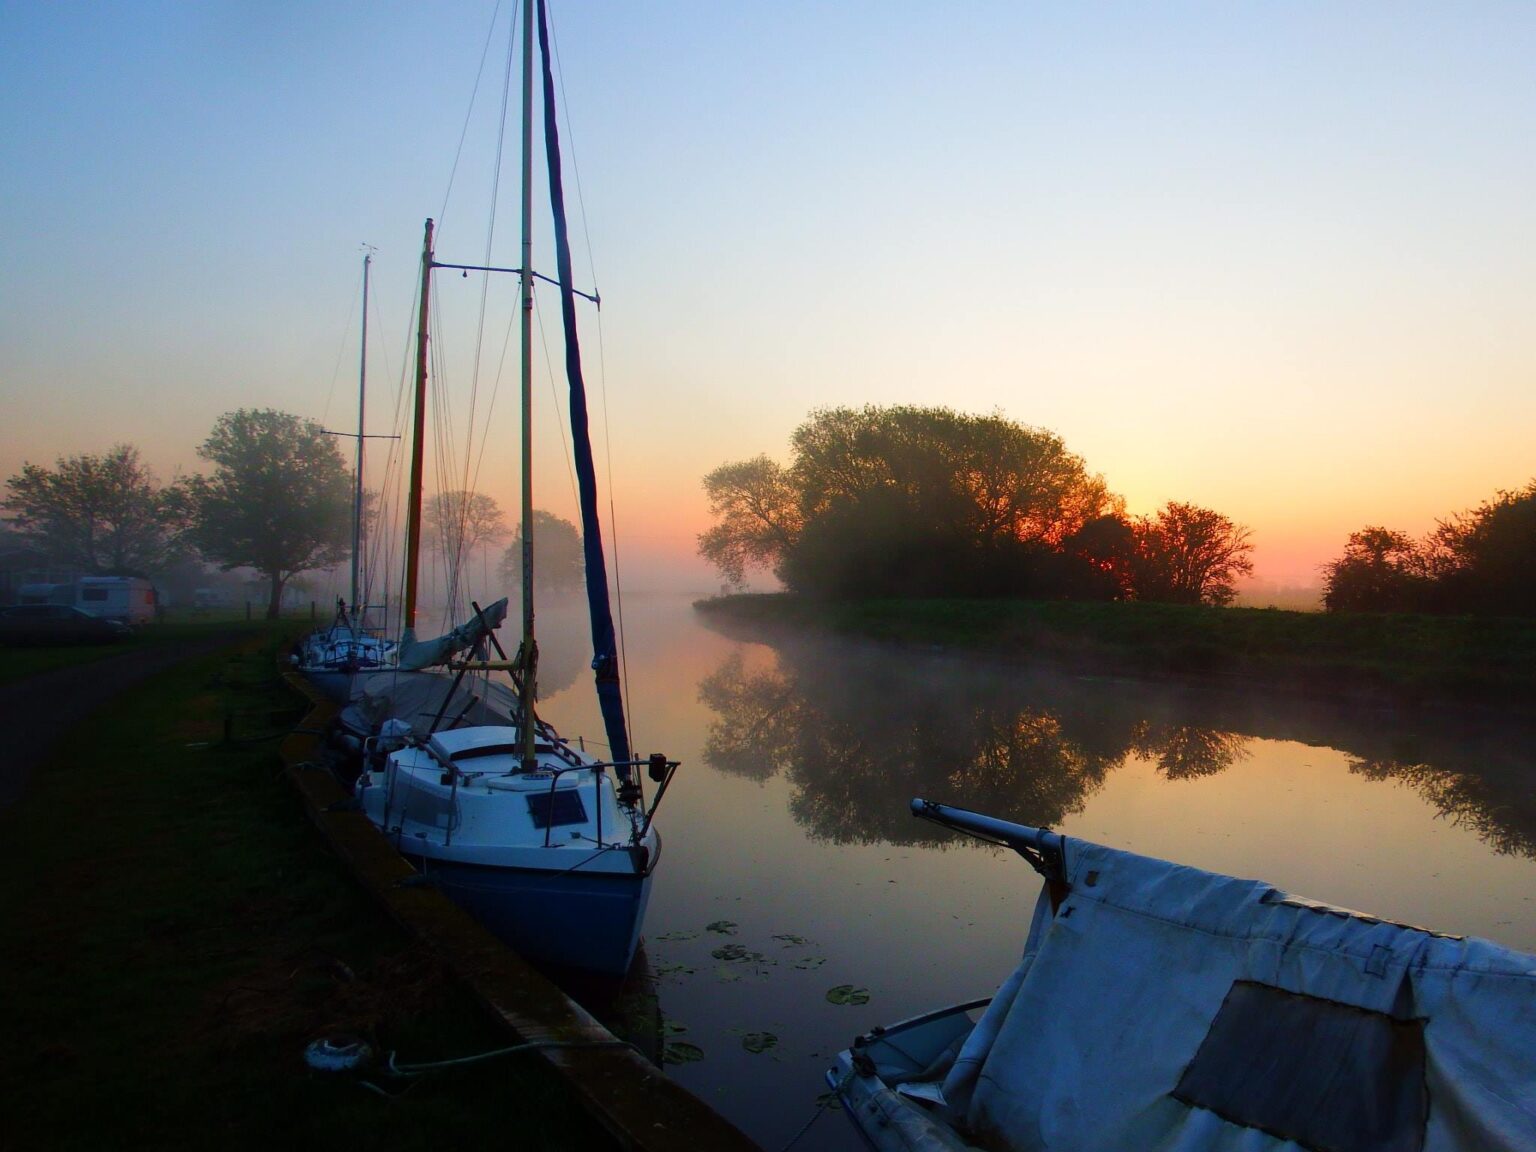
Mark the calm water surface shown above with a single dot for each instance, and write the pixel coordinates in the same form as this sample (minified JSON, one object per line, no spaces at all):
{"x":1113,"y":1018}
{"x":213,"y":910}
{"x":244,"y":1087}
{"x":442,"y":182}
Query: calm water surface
{"x":791,"y":864}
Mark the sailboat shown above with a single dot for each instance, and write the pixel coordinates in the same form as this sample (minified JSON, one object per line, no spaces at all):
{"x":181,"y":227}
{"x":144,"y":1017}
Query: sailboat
{"x":331,"y":657}
{"x":1162,"y":1006}
{"x":551,"y":847}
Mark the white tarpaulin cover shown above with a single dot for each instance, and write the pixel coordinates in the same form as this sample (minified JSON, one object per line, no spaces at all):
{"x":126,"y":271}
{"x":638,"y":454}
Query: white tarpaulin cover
{"x":1167,"y":1008}
{"x":417,"y":699}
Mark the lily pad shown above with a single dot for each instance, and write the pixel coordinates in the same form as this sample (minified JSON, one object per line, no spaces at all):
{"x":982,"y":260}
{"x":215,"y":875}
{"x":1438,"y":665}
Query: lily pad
{"x":810,"y":963}
{"x":674,"y":970}
{"x":759,"y":1042}
{"x":674,"y":937}
{"x":790,"y":940}
{"x":847,"y":994}
{"x":724,"y":927}
{"x":681,"y":1052}
{"x":739,"y":954}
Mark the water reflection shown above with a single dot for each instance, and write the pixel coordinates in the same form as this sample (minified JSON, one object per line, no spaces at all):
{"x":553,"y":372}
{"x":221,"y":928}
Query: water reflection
{"x":858,"y":731}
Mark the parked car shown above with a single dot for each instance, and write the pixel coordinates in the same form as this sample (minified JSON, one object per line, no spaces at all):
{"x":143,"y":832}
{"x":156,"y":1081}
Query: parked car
{"x":58,"y":624}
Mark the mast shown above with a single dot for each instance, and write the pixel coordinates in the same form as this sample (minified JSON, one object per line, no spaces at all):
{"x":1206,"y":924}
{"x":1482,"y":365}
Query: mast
{"x":357,"y":495}
{"x":529,"y":654}
{"x":413,"y":510}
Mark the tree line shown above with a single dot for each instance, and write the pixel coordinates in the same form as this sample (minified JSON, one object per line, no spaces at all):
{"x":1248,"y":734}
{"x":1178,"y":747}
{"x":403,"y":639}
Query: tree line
{"x":1481,"y":562}
{"x":278,"y":499}
{"x":917,"y":502}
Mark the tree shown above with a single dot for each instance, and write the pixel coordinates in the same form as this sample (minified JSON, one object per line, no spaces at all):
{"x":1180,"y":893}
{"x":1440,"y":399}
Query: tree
{"x":1380,"y":571}
{"x":903,"y":501}
{"x":1484,"y":561}
{"x":462,"y":521}
{"x":759,"y":513}
{"x":1099,"y":560}
{"x":1190,"y":555}
{"x":104,"y":515}
{"x":558,"y":561}
{"x":1003,"y":481}
{"x":279,"y":499}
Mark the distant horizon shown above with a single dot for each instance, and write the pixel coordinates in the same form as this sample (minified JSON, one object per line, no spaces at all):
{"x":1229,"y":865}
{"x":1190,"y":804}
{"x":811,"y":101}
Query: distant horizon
{"x":1276,"y":262}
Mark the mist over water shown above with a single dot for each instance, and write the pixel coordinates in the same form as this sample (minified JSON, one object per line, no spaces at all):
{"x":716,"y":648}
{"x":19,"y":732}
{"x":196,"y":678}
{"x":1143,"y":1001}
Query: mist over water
{"x":791,"y":865}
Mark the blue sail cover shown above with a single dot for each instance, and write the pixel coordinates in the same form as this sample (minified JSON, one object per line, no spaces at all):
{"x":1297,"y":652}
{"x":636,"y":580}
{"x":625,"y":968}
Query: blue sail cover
{"x":605,"y":660}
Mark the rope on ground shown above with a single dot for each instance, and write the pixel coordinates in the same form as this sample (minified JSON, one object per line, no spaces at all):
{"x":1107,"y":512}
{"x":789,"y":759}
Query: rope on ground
{"x":409,"y":1072}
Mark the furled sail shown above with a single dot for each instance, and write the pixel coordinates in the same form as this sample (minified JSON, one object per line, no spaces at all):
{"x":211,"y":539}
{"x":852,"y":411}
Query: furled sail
{"x":605,"y":657}
{"x":415,"y":654}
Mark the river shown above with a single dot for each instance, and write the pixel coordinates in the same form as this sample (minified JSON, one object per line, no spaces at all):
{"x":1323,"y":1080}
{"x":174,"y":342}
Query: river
{"x":792,"y":867}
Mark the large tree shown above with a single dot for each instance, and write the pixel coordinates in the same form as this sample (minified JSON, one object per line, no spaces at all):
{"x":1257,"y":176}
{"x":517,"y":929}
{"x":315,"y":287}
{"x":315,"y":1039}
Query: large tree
{"x":759,"y":513}
{"x":1380,"y":571}
{"x":279,"y":499}
{"x":1190,"y":555}
{"x":558,"y":561}
{"x":904,"y":501}
{"x":101,"y":514}
{"x":1485,"y":560}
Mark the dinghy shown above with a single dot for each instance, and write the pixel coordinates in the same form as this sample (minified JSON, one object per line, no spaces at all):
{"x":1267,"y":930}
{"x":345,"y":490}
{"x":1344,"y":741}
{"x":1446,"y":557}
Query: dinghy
{"x":1158,"y":1006}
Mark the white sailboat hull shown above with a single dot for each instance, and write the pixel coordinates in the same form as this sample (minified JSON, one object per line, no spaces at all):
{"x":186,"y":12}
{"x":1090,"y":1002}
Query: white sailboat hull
{"x":550,"y":861}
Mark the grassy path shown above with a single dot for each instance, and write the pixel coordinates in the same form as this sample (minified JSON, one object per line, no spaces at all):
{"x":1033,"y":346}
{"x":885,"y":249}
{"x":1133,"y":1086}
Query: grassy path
{"x":176,"y":934}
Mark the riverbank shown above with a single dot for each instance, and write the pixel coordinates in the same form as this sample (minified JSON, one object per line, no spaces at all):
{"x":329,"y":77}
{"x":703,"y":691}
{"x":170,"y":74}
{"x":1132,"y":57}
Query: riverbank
{"x":181,"y":935}
{"x":1377,"y":658}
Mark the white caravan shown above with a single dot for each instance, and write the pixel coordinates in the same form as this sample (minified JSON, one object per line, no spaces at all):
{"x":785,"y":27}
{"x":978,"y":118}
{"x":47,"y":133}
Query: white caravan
{"x":130,"y":599}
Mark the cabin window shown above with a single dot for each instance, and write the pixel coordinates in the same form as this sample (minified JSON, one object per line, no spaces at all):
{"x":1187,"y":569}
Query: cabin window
{"x":480,"y":751}
{"x":93,"y":593}
{"x":1330,"y":1076}
{"x":552,"y":809}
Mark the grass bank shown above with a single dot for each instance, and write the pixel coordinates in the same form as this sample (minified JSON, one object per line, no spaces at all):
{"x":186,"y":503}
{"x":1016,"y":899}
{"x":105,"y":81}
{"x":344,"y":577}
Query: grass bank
{"x":18,"y":661}
{"x":1412,"y":659}
{"x":177,"y":934}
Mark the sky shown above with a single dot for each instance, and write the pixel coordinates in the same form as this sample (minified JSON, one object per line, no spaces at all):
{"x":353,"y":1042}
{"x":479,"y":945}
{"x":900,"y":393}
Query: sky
{"x":1275,"y":260}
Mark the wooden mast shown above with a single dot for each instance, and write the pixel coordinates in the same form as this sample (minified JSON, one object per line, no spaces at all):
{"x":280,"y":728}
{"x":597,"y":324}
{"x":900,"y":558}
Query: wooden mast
{"x":413,"y":510}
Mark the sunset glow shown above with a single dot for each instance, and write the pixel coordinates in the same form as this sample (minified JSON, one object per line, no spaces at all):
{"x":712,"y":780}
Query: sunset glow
{"x":1276,"y":261}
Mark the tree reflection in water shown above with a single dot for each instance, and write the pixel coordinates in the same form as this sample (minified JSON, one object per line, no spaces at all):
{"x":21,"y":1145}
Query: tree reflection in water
{"x":1503,"y":817}
{"x":860,"y":735}
{"x":858,"y":732}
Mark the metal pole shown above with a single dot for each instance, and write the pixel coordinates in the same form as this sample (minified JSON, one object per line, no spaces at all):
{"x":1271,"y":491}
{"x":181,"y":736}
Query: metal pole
{"x":357,"y":494}
{"x":529,"y":650}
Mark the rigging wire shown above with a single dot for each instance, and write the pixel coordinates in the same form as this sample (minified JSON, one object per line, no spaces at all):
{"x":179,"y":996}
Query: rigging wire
{"x":468,"y":112}
{"x":341,"y":350}
{"x":562,"y":421}
{"x":471,"y":478}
